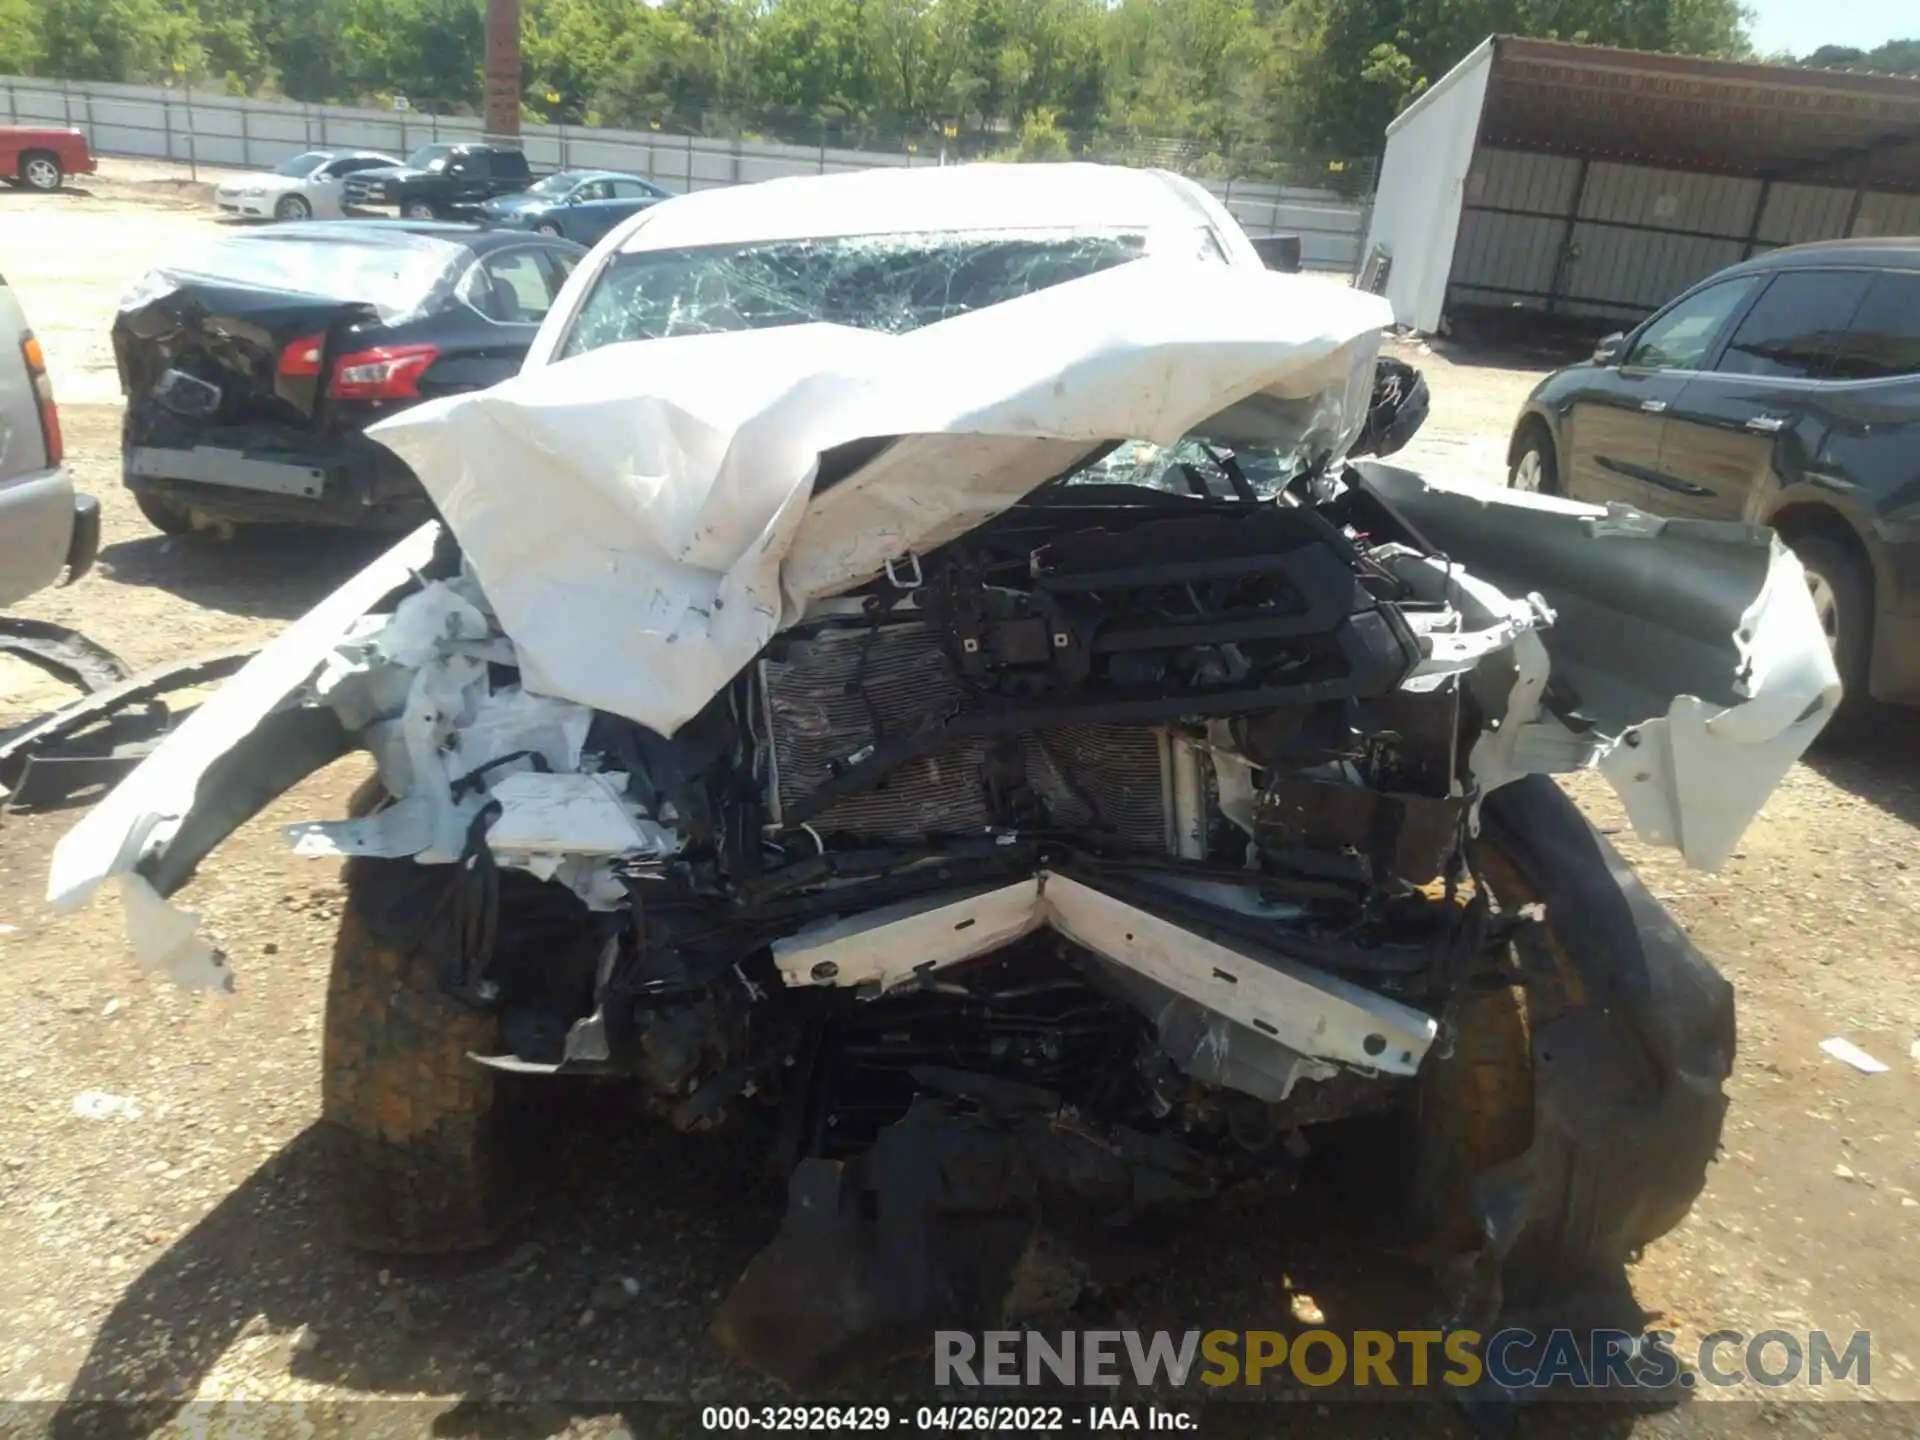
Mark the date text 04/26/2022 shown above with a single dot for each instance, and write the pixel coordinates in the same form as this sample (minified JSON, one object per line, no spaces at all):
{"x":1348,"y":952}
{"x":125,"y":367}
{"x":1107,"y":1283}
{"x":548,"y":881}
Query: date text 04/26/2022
{"x":940,"y":1419}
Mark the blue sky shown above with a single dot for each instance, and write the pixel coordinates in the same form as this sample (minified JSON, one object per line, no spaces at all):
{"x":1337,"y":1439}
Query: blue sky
{"x":1802,"y":25}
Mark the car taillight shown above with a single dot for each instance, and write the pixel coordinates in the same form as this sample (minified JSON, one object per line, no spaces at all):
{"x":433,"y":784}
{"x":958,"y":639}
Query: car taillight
{"x":386,"y":372}
{"x":42,"y":384}
{"x":302,"y":357}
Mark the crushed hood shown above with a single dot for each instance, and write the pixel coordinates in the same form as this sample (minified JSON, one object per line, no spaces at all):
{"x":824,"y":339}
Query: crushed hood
{"x":639,"y":516}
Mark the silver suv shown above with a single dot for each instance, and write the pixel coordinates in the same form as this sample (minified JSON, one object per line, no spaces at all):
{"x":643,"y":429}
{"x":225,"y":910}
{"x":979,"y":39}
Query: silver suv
{"x":47,"y":533}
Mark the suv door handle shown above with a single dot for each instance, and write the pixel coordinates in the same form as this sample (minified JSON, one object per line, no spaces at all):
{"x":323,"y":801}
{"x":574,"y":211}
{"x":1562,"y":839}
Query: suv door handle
{"x":1767,"y":424}
{"x":1654,"y":407}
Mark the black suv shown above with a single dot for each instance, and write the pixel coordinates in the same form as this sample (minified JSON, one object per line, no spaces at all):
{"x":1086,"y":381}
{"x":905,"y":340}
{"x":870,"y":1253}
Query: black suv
{"x":439,"y":181}
{"x":1785,"y":391}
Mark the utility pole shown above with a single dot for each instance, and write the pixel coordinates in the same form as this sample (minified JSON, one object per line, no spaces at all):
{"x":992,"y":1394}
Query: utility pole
{"x":503,"y":69}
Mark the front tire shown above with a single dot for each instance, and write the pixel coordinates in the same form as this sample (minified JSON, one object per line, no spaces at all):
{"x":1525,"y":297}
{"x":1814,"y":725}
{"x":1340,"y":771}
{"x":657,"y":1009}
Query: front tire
{"x":41,"y":170}
{"x":547,"y":227}
{"x":419,"y":210}
{"x":430,"y":1150}
{"x":1569,"y":1122}
{"x":1532,"y":466}
{"x":293,"y":207}
{"x":1843,"y":599}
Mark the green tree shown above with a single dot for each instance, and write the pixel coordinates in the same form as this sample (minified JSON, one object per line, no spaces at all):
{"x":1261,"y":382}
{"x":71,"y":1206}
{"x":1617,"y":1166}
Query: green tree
{"x":808,"y":62}
{"x":118,"y":40}
{"x":1374,"y":56}
{"x":20,"y":44}
{"x":428,"y":50}
{"x":1895,"y":57}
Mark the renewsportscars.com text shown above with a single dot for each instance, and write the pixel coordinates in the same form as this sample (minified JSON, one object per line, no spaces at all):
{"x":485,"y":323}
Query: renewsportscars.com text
{"x":1514,"y":1359}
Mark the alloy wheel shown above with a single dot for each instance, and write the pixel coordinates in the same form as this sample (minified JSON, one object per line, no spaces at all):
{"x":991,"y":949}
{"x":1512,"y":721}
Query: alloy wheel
{"x":1527,"y":471}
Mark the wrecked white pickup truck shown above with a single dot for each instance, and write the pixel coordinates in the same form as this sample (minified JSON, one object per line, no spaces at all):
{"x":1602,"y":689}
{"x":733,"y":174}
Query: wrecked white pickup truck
{"x":913,"y":662}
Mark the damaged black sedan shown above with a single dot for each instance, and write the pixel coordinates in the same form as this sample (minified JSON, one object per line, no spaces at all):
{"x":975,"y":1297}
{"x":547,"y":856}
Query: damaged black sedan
{"x":956,"y":694}
{"x":252,"y":367}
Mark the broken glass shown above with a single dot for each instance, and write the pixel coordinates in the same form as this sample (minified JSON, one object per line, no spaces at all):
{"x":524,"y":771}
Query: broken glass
{"x":889,"y":283}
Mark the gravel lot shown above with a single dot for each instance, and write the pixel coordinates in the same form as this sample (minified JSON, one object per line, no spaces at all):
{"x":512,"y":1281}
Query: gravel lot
{"x":173,"y":1249}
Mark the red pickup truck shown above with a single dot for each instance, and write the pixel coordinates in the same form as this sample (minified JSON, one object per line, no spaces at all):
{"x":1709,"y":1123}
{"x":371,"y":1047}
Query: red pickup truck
{"x":40,"y":157}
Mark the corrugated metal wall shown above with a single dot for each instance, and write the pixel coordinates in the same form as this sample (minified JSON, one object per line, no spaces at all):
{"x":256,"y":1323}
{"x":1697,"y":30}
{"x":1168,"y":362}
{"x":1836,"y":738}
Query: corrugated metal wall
{"x":1613,"y":241}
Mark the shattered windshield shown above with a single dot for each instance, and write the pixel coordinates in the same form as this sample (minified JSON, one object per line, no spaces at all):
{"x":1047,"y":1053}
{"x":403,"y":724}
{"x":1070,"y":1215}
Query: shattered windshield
{"x":890,"y":283}
{"x":1193,"y":467}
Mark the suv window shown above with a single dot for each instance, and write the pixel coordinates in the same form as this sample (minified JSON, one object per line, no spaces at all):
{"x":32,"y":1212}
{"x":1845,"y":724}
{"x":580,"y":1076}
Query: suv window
{"x":509,"y":164}
{"x":1796,"y":324}
{"x":1884,"y":339}
{"x":1682,"y":338}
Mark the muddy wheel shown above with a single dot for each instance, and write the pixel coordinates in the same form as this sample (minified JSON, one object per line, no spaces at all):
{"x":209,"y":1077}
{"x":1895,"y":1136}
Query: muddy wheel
{"x":1567,"y":1124}
{"x":430,"y":1151}
{"x":1475,"y":1114}
{"x":165,"y":516}
{"x":40,"y":170}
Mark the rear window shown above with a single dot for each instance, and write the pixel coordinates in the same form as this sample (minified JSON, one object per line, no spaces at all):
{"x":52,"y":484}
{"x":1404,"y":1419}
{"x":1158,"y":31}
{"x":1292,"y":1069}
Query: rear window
{"x":890,"y":283}
{"x":1883,"y":342}
{"x":397,"y":274}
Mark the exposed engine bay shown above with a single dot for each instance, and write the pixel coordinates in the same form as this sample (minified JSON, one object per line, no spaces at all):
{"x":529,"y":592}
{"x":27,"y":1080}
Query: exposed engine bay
{"x":1110,"y":708}
{"x":1037,"y":830}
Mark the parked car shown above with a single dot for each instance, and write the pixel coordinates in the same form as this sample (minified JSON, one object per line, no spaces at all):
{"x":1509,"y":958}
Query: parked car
{"x":308,"y":186}
{"x":908,"y":665}
{"x":252,"y":366}
{"x":41,"y":157}
{"x":47,"y":532}
{"x":1783,"y":391}
{"x":439,"y":181}
{"x":582,"y":205}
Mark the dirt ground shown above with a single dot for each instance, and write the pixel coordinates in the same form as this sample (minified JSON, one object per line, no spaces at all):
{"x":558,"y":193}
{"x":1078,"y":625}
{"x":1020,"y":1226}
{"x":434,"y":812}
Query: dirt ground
{"x":169,"y":1244}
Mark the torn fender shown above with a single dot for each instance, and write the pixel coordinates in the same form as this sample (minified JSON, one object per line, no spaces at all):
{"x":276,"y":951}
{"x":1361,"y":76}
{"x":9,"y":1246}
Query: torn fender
{"x":1686,"y":660}
{"x":226,"y":760}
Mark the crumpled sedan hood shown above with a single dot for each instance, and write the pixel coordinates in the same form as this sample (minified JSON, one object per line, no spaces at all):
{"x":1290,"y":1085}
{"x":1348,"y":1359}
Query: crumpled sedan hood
{"x":678,"y":525}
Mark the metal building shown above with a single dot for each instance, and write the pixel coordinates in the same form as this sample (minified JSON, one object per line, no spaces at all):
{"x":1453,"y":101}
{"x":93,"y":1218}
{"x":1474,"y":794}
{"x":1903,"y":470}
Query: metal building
{"x":1583,"y":182}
